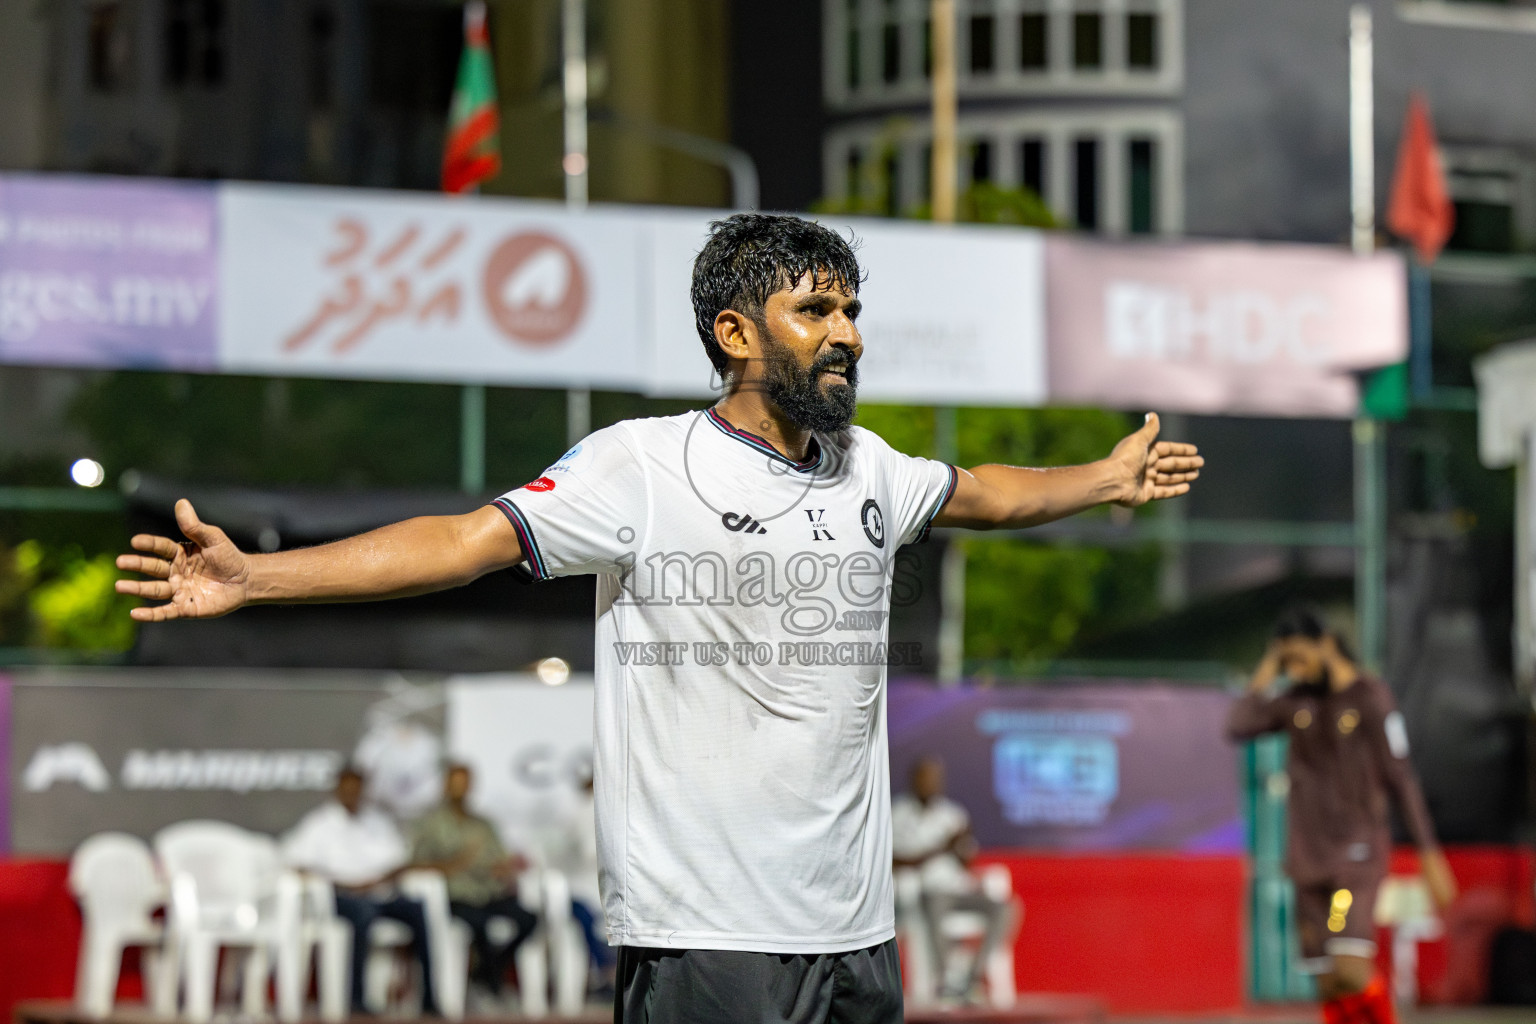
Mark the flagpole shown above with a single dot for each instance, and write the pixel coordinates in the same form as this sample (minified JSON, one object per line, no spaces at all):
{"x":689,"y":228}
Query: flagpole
{"x":1369,"y":434}
{"x":573,"y":35}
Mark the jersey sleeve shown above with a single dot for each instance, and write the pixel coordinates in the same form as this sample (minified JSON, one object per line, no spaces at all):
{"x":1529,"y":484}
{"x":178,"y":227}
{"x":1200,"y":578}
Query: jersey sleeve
{"x":1254,"y":714}
{"x":586,"y":513}
{"x":1389,"y":744}
{"x":919,"y":489}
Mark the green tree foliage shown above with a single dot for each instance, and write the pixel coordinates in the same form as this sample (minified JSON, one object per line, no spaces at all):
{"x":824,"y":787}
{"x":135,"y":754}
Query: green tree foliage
{"x":60,"y":596}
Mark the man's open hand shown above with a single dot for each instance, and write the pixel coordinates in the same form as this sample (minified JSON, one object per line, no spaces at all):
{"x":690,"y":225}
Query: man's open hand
{"x":201,"y":578}
{"x":1154,"y":469}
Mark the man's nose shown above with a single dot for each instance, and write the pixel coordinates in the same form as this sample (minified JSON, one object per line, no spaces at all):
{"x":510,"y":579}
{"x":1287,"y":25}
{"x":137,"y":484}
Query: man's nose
{"x":845,"y":333}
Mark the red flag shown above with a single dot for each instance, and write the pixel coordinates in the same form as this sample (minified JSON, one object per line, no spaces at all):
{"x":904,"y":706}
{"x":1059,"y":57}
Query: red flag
{"x":1421,"y":210}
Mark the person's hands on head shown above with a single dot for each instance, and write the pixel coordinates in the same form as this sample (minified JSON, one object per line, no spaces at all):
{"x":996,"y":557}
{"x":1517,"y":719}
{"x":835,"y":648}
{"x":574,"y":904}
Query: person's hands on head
{"x":1152,"y":470}
{"x":203,"y":577}
{"x":1268,"y":668}
{"x":1438,"y":877}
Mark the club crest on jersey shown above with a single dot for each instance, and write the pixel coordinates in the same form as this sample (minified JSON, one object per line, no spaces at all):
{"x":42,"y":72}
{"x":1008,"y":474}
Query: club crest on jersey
{"x":740,"y":522}
{"x":819,"y":529}
{"x":873,"y":521}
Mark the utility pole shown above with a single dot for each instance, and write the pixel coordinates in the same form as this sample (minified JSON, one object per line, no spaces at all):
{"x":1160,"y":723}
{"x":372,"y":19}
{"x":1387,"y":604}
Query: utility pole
{"x":945,"y":111}
{"x":1369,"y":434}
{"x":573,"y":37}
{"x":951,"y":633}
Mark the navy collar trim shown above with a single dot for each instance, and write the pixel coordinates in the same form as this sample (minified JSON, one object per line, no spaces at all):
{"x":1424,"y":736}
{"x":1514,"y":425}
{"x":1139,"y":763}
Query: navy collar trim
{"x":746,"y":437}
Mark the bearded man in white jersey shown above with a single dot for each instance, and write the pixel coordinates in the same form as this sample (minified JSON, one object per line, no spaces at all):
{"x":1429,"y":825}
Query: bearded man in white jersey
{"x":744,"y":564}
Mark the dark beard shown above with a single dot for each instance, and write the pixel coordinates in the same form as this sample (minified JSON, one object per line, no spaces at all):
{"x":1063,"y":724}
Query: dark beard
{"x":798,"y":393}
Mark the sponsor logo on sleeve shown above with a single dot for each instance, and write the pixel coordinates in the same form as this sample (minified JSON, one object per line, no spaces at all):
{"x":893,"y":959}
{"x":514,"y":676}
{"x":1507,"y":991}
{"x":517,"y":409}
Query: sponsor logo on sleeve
{"x":874,"y":522}
{"x":543,"y":483}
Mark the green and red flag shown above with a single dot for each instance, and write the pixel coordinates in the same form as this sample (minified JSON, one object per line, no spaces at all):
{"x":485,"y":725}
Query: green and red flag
{"x":473,"y":152}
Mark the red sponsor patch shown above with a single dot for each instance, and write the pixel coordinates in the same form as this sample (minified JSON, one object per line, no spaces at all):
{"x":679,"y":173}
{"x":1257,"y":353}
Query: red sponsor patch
{"x":543,"y":483}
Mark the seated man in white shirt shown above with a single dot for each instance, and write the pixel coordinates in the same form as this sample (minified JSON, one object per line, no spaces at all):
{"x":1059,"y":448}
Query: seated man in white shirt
{"x":931,"y":834}
{"x":361,"y":852}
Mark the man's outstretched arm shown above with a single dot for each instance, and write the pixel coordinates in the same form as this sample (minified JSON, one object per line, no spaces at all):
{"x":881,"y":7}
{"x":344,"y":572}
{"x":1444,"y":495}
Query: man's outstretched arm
{"x":1139,"y":470}
{"x":206,"y":576}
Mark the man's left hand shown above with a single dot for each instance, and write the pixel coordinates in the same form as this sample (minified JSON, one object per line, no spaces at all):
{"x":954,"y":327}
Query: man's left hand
{"x":1153,"y":470}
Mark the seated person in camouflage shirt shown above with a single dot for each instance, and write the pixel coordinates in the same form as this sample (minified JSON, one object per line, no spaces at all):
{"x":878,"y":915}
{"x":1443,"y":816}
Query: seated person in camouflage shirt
{"x":1348,"y":757}
{"x":482,"y":879}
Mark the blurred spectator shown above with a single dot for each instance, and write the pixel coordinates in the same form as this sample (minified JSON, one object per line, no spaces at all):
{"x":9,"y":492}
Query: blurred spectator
{"x":577,"y":857}
{"x":359,"y":850}
{"x":931,"y":835}
{"x":482,"y":878}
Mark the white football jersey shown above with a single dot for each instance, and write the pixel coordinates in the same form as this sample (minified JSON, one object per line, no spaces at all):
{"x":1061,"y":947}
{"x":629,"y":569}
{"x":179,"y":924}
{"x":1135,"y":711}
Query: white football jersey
{"x":742,"y":773}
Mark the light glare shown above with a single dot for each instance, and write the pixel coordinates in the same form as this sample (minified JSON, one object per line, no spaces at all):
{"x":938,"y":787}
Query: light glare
{"x":552,"y":671}
{"x":87,"y":473}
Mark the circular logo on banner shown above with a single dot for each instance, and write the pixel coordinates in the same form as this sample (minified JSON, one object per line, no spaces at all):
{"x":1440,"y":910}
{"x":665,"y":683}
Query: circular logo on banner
{"x":535,"y":288}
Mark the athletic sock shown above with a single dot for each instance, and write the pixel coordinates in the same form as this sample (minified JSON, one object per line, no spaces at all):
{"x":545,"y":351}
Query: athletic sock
{"x":1373,"y":1006}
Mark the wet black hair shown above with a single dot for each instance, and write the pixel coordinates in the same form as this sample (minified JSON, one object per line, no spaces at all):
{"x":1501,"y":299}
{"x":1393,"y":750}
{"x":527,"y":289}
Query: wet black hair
{"x":749,"y":256}
{"x":1307,"y":622}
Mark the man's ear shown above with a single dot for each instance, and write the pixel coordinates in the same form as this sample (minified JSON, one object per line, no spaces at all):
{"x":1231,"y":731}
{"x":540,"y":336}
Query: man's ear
{"x":736,"y":334}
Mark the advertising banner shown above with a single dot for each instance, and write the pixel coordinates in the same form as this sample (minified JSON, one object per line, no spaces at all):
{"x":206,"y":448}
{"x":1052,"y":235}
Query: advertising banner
{"x":952,"y":315}
{"x":349,"y":283}
{"x":137,"y":750}
{"x":1078,"y":767}
{"x":1271,"y":330}
{"x":108,"y":272}
{"x":530,"y":746}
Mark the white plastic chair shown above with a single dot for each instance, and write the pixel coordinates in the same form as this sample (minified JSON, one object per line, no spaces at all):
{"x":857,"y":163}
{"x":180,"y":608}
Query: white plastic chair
{"x":316,"y":933}
{"x":449,"y":947}
{"x":225,"y":884}
{"x":958,"y":929}
{"x":113,"y":876}
{"x":1405,"y":905}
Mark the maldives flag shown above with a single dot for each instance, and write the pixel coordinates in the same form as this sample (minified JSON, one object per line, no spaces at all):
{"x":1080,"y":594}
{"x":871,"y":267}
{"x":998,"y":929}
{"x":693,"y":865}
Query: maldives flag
{"x":1421,"y":210}
{"x":473,"y":152}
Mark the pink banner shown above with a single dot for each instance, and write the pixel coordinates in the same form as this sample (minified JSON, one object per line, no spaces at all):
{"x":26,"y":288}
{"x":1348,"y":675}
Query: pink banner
{"x":1221,"y":328}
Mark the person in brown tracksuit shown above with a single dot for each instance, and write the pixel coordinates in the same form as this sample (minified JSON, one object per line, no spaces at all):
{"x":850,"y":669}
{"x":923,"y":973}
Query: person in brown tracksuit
{"x":1348,"y":756}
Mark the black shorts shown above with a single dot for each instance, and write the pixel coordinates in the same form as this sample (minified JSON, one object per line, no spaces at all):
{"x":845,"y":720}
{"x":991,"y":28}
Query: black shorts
{"x":1337,"y":918}
{"x":703,"y":986}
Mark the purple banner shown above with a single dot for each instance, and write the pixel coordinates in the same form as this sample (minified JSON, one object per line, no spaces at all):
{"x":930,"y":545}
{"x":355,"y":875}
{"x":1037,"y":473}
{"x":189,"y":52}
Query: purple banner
{"x":108,"y":272}
{"x":1091,"y":767}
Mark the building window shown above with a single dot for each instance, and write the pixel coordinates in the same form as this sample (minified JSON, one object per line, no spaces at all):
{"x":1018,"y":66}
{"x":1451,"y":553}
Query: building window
{"x":890,"y":44}
{"x":322,"y":56}
{"x":1492,"y":191}
{"x":927,"y":47}
{"x":1141,"y":42}
{"x":982,"y":31}
{"x":981,"y":161}
{"x":1034,"y":42}
{"x":1032,"y":166}
{"x":1085,"y":183}
{"x":109,"y":47}
{"x":433,"y":36}
{"x":851,"y":45}
{"x":1087,"y":41}
{"x":1141,"y":185}
{"x":194,"y":43}
{"x":852,"y":186}
{"x":893,"y":184}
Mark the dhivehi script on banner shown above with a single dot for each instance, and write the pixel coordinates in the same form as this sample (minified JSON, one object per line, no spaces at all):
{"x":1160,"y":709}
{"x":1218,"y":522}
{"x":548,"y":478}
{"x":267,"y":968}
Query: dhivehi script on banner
{"x":349,"y":283}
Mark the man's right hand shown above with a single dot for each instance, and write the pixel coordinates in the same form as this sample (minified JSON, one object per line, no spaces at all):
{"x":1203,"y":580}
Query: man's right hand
{"x":201,"y":578}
